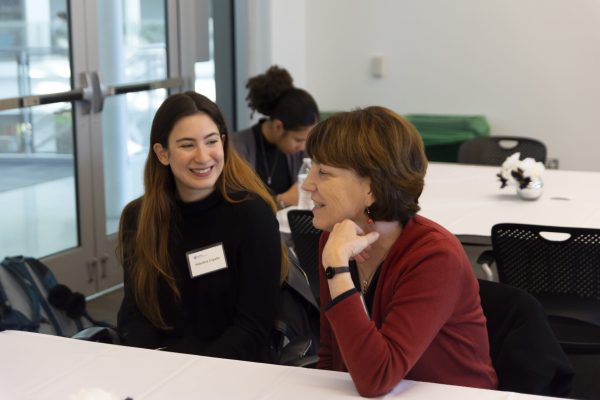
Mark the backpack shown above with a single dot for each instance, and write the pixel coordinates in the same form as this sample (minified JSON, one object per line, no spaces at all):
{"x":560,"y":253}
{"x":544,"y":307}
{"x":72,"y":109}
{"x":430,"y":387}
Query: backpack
{"x":32,"y":300}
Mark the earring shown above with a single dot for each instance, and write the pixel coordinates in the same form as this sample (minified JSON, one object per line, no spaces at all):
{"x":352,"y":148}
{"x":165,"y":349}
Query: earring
{"x":370,"y":219}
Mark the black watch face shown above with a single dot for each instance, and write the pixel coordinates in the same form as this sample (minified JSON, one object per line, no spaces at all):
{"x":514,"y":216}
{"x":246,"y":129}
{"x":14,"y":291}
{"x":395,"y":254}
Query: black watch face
{"x":329,"y":272}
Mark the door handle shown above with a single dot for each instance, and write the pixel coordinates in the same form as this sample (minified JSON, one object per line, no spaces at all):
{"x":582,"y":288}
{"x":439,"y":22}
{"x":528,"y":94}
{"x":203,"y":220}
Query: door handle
{"x":37,"y":100}
{"x":91,"y":92}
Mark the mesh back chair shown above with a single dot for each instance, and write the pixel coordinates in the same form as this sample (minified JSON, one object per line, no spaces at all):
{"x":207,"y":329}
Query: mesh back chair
{"x":306,"y":245}
{"x":493,"y":150}
{"x":525,"y":352}
{"x":564,"y":275}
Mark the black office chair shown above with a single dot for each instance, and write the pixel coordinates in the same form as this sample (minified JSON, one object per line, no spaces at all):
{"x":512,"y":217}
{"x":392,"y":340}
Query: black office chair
{"x":524,"y":350}
{"x":493,"y":150}
{"x":295,"y":336}
{"x":306,"y":245}
{"x":564,"y":275}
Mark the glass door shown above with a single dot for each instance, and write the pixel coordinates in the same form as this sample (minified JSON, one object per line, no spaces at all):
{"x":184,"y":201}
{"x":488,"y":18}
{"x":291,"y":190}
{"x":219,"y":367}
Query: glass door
{"x":80,"y":82}
{"x":39,"y":203}
{"x":133,"y":73}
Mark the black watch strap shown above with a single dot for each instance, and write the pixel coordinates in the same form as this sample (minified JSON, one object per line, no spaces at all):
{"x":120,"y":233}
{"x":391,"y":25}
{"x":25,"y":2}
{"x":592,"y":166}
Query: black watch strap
{"x":330,"y":272}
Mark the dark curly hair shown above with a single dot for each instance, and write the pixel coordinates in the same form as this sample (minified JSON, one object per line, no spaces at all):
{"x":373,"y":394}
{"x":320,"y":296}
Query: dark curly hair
{"x":273,"y":94}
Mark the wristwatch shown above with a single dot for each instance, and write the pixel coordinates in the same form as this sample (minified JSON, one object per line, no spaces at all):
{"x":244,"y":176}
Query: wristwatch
{"x":330,"y":272}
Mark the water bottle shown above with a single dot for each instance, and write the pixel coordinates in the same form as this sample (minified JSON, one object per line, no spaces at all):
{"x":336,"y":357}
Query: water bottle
{"x":304,"y":201}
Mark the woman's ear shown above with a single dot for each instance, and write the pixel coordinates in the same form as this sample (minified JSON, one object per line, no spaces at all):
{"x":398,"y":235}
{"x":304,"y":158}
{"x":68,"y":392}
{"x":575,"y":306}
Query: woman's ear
{"x":161,"y":153}
{"x":277,"y":125}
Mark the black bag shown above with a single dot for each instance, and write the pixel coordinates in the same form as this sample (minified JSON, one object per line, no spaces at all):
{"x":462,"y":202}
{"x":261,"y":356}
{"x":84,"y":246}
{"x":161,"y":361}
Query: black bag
{"x":32,"y":300}
{"x":295,"y":337}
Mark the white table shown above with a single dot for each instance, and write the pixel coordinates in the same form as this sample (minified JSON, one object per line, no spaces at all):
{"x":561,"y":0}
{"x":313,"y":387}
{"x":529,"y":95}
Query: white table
{"x":467,"y":199}
{"x":37,"y":366}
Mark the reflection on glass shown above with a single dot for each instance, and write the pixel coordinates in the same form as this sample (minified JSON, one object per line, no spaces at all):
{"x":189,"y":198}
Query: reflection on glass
{"x":205,"y":79}
{"x":34,"y":48}
{"x":38,"y":206}
{"x":132,"y":36}
{"x":125,"y":150}
{"x":204,"y":71}
{"x":132,"y":49}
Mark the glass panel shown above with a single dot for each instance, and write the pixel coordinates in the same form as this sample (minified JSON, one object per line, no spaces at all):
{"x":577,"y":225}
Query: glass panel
{"x":126,"y":148}
{"x":38,"y":206}
{"x":132,"y":49}
{"x":205,"y":79}
{"x":205,"y":70}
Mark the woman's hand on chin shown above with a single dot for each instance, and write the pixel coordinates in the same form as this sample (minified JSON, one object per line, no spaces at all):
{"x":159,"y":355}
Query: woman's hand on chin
{"x":347,"y":241}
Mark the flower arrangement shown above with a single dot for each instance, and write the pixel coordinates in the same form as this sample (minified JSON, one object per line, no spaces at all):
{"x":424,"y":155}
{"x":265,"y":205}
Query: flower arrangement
{"x":520,"y":173}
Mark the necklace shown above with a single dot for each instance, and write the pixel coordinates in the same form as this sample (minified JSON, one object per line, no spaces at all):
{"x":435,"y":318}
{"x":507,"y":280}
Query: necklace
{"x":268,"y":171}
{"x":364,"y":284}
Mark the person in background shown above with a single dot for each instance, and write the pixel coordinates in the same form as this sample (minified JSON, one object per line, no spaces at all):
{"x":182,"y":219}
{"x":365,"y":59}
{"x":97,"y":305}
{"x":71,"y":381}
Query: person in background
{"x":275,"y":145}
{"x":398,"y":295}
{"x":200,"y":249}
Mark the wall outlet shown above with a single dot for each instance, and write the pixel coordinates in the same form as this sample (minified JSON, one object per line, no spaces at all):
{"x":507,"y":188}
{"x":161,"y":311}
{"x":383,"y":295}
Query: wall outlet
{"x":377,"y":67}
{"x":552,"y":163}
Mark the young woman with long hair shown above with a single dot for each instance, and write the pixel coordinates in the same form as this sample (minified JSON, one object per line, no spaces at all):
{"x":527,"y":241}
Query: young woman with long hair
{"x":200,"y":249}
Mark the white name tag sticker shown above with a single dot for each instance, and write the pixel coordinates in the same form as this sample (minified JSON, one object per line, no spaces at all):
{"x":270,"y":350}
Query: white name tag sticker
{"x":206,"y":260}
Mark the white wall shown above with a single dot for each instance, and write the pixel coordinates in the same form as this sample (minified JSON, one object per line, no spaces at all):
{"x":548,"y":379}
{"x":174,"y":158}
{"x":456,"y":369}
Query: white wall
{"x":269,"y":32}
{"x":532,"y":67}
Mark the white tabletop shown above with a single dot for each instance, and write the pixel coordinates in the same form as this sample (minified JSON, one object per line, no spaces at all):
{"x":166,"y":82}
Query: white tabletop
{"x":37,"y":366}
{"x":467,"y":199}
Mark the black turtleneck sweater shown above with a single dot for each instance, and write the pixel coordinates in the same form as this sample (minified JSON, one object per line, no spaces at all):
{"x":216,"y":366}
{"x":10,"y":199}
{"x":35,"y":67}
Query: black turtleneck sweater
{"x":226,"y":313}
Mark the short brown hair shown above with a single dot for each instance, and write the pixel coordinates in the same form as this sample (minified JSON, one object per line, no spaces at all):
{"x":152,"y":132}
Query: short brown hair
{"x":378,"y":144}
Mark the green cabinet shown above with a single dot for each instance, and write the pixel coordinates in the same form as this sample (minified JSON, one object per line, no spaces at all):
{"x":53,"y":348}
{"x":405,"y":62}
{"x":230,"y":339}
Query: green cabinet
{"x":443,"y":134}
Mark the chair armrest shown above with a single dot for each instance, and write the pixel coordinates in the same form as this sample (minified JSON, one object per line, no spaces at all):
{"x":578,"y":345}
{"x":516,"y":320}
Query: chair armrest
{"x":297,"y":354}
{"x":486,"y":257}
{"x":485,"y":260}
{"x":305,"y":362}
{"x":98,"y":334}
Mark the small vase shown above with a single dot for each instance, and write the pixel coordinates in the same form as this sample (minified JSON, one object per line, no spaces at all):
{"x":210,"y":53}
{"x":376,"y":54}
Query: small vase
{"x":532,"y":191}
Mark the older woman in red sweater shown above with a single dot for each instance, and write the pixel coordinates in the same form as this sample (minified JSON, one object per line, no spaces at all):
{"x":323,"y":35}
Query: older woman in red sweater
{"x":398,"y":295}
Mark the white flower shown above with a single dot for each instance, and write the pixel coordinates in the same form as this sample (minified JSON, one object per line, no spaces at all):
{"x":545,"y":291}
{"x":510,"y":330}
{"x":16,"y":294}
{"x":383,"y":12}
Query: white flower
{"x":517,"y":172}
{"x":510,"y":164}
{"x":533,"y":169}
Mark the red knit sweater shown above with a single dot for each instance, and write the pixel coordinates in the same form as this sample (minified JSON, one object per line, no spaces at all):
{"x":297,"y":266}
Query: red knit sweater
{"x":426,"y":325}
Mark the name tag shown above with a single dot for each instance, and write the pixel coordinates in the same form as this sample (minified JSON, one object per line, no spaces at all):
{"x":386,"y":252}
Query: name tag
{"x":206,"y":260}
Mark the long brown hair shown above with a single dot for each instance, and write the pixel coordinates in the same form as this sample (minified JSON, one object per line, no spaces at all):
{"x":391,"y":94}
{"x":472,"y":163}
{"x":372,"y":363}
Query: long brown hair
{"x":145,"y":251}
{"x":379,"y":144}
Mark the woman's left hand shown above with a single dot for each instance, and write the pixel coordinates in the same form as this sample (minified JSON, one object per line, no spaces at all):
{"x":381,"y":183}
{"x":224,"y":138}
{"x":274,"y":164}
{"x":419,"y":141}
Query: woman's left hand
{"x":346,"y":241}
{"x":289,"y":198}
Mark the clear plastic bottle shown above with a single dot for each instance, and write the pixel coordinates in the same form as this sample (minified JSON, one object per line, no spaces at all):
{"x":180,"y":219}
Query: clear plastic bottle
{"x":304,"y":201}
